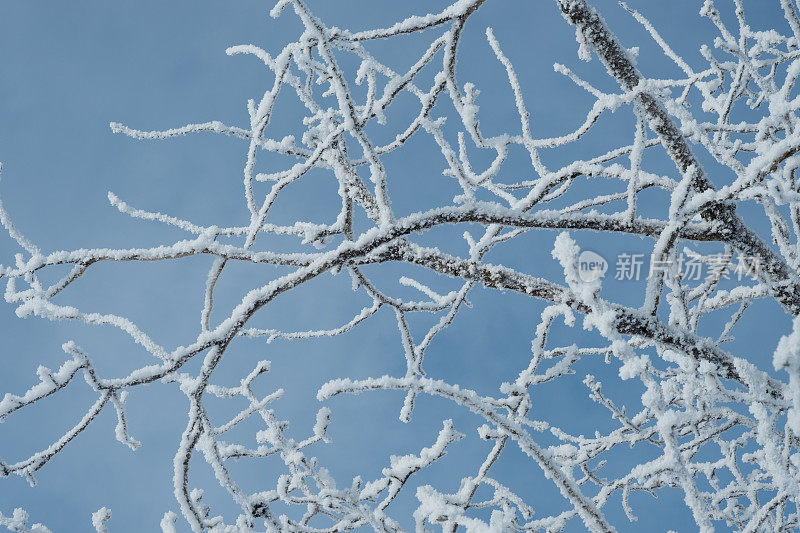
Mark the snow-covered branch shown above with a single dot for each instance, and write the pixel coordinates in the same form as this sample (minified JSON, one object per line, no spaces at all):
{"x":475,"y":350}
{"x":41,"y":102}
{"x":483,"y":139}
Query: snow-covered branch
{"x":713,"y":421}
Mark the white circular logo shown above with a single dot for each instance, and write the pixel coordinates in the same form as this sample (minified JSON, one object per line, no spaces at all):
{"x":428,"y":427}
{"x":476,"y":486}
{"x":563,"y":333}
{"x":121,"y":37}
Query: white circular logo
{"x":591,"y":266}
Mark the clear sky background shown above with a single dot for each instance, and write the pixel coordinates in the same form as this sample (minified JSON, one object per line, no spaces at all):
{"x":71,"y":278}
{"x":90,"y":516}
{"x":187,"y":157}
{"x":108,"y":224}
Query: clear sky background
{"x":69,"y":68}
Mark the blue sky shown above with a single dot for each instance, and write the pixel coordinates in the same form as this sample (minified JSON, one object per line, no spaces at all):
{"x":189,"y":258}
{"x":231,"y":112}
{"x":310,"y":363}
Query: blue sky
{"x":68,"y":69}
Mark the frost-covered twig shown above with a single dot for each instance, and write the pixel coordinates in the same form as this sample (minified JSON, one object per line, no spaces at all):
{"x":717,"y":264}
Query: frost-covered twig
{"x":714,"y":424}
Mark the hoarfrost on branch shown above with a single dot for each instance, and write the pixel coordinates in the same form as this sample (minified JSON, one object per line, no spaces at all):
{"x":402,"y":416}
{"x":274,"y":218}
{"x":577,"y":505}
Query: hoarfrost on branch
{"x":726,"y":431}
